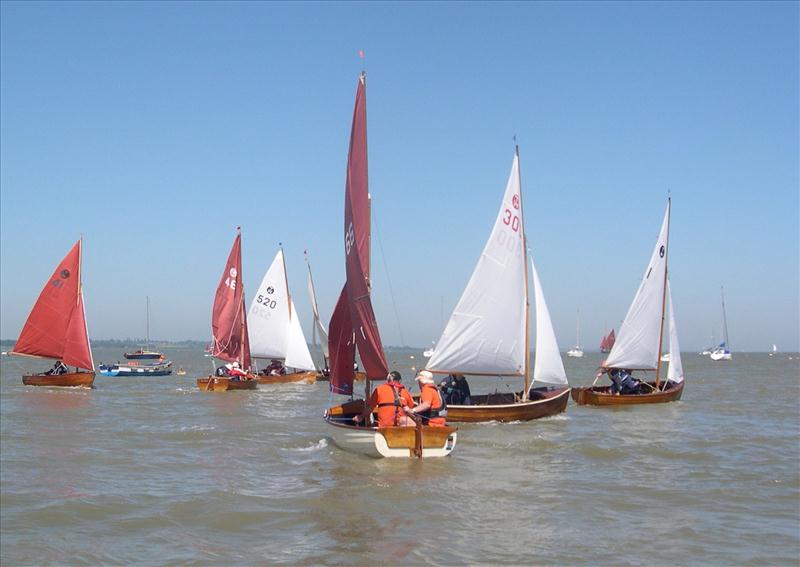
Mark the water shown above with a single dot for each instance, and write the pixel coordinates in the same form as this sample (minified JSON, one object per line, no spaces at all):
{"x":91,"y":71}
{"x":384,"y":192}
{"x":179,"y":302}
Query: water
{"x":152,"y":471}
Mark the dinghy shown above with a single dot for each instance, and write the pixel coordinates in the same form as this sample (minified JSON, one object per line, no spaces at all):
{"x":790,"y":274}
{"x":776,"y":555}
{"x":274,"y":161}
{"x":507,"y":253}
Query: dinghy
{"x":353,"y":326}
{"x":639,"y":344}
{"x":274,"y":327}
{"x":229,"y":340}
{"x":488,"y":333}
{"x":56,"y":327}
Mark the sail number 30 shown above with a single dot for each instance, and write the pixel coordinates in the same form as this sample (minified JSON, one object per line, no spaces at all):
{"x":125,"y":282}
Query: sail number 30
{"x":511,"y":220}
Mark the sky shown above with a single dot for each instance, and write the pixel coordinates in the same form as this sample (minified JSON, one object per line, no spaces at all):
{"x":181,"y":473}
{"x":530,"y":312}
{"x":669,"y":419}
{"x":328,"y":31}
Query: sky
{"x":155,"y":129}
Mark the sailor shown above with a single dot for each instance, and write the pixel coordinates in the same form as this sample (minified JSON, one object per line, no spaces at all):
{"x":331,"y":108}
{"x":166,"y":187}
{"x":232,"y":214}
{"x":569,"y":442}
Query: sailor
{"x":58,"y":369}
{"x":236,"y":372}
{"x":392,"y":399}
{"x":455,"y":390}
{"x":622,"y":382}
{"x":275,"y":368}
{"x":431,"y":405}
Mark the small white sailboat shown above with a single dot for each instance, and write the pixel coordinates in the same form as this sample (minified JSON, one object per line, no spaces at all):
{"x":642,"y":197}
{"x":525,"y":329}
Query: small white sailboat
{"x":274,"y":327}
{"x":722,"y":352}
{"x":577,"y":351}
{"x":317,"y":327}
{"x":774,"y":350}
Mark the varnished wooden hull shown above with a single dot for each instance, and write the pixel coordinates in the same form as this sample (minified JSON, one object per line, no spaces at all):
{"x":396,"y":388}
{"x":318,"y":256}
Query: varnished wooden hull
{"x":69,"y":380}
{"x":386,"y":442}
{"x":503,"y":407}
{"x":307,"y":377}
{"x":225,"y":384}
{"x":602,"y":396}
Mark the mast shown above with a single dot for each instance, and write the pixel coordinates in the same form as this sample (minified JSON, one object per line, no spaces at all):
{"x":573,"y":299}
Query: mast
{"x":664,"y":295}
{"x":147,"y":311}
{"x":285,"y":281}
{"x":578,"y":328}
{"x":527,"y":386}
{"x":724,"y":318}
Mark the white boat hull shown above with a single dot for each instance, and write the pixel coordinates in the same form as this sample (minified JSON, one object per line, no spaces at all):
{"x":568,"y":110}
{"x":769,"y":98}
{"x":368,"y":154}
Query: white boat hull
{"x":720,"y":355}
{"x":575,"y":353}
{"x":371,"y":442}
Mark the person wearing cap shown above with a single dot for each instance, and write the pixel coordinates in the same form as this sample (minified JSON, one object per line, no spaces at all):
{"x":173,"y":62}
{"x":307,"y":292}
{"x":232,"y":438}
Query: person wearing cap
{"x":391,"y":399}
{"x":431,"y":403}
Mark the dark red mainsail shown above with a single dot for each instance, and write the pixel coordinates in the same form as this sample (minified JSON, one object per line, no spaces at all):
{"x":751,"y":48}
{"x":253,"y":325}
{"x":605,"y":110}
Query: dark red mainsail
{"x":353,"y":317}
{"x":228,"y":324}
{"x":608,"y":342}
{"x":56,"y":327}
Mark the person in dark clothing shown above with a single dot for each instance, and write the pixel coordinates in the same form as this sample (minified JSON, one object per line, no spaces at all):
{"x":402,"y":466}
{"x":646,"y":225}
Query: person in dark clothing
{"x":622,"y":382}
{"x":58,"y":369}
{"x":456,"y":390}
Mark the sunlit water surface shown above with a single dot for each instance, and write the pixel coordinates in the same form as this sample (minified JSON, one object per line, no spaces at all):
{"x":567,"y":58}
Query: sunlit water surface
{"x":153,"y":471}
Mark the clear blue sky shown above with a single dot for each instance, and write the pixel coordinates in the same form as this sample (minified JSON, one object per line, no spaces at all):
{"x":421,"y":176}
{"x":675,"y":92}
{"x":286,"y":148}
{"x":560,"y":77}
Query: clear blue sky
{"x":156,"y":128}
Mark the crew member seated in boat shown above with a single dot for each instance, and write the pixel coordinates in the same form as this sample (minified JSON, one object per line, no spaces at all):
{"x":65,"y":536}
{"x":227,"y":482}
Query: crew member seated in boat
{"x":275,"y":368}
{"x":392,"y":399}
{"x":622,"y":382}
{"x":224,"y":370}
{"x":236,"y":372}
{"x":431,"y":407}
{"x":456,"y":390}
{"x":58,"y":369}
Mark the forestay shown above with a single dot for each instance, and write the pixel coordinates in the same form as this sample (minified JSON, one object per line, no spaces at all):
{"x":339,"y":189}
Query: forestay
{"x":549,"y":367}
{"x":637,"y":344}
{"x":486,"y":332}
{"x":675,"y":371}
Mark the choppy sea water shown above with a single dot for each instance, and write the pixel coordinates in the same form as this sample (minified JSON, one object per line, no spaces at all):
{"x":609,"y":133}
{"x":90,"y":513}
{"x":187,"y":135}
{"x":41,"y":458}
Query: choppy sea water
{"x":152,"y":471}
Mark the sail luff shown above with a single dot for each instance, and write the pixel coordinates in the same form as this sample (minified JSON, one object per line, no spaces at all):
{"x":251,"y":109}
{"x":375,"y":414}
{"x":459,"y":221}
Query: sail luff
{"x":527,"y":359}
{"x":663,"y":298}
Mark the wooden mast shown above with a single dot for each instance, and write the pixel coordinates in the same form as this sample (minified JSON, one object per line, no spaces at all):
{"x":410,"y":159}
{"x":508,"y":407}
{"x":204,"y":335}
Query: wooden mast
{"x":663,"y":296}
{"x":525,"y":394}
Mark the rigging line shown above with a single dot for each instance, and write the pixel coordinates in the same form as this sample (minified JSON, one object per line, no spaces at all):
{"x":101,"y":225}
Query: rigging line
{"x":389,"y":280}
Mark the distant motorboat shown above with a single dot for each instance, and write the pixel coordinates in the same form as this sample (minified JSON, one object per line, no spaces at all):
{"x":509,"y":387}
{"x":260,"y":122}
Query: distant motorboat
{"x":134,"y":369}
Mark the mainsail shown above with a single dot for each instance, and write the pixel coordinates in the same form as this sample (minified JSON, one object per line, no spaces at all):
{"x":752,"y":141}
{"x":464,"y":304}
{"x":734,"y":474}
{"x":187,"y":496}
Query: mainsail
{"x":56,"y":327}
{"x":353,"y":322}
{"x":273,"y":323}
{"x":675,"y":371}
{"x":486,"y":332}
{"x":549,"y":367}
{"x":317,"y":327}
{"x":228,"y":321}
{"x":608,"y":342}
{"x":638,"y":345}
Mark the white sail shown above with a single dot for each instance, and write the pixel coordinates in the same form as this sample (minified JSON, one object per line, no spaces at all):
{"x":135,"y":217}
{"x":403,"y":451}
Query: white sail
{"x":549,"y":367}
{"x":297,"y":353}
{"x":268,"y":317}
{"x":318,"y":326}
{"x":675,"y":372}
{"x":486,"y":332}
{"x":637,"y":343}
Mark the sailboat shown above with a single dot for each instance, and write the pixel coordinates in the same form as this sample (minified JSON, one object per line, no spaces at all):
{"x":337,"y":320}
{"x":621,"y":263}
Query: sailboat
{"x":488,"y":333}
{"x":56,"y":327}
{"x":577,"y":351}
{"x":145,"y":353}
{"x":774,"y":350}
{"x":229,"y":339}
{"x":353,"y":325}
{"x":607,"y":342}
{"x":274,"y":327}
{"x":722,"y":352}
{"x":639,"y":345}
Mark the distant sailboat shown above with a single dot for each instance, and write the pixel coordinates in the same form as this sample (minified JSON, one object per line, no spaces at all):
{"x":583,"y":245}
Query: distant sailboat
{"x":639,"y":346}
{"x":56,"y":327}
{"x":145,"y":353}
{"x":229,"y":340}
{"x":274,"y":327}
{"x":353,"y":325}
{"x":577,"y":351}
{"x":607,"y":342}
{"x":488,"y":333}
{"x":722,"y":352}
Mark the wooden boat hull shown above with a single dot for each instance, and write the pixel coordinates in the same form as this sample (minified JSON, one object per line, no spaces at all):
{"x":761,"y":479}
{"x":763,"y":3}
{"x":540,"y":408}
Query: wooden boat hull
{"x":69,"y":380}
{"x":307,"y":377}
{"x":219,"y":384}
{"x":385,"y":442}
{"x":602,"y":396}
{"x":503,"y":407}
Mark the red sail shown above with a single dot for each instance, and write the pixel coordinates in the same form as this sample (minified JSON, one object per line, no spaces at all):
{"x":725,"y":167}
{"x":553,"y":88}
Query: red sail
{"x":611,"y":339}
{"x":607,"y":342}
{"x":357,"y":245}
{"x":56,"y":327}
{"x":342,"y":346}
{"x":228,"y":324}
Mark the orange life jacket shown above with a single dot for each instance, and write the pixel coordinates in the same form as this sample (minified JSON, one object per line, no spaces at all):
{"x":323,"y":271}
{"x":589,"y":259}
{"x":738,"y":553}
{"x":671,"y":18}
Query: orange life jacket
{"x":435,"y":414}
{"x":389,"y":403}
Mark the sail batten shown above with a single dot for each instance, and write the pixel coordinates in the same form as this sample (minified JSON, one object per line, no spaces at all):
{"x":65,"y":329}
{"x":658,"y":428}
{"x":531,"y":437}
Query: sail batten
{"x":638,"y":343}
{"x":56,"y":326}
{"x":486,"y":331}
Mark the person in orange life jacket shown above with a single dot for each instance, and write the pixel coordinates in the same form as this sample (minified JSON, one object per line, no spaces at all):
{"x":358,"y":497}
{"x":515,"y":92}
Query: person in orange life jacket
{"x":236,"y":372}
{"x":391,"y":399}
{"x":431,"y":401}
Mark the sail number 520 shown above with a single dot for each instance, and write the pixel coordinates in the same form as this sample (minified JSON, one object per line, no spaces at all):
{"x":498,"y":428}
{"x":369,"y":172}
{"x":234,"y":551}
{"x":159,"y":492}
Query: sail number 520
{"x":511,"y":220}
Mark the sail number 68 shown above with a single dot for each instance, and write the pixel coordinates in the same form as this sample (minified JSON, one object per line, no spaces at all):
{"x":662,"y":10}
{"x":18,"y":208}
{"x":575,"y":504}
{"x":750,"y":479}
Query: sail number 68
{"x":349,"y":239}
